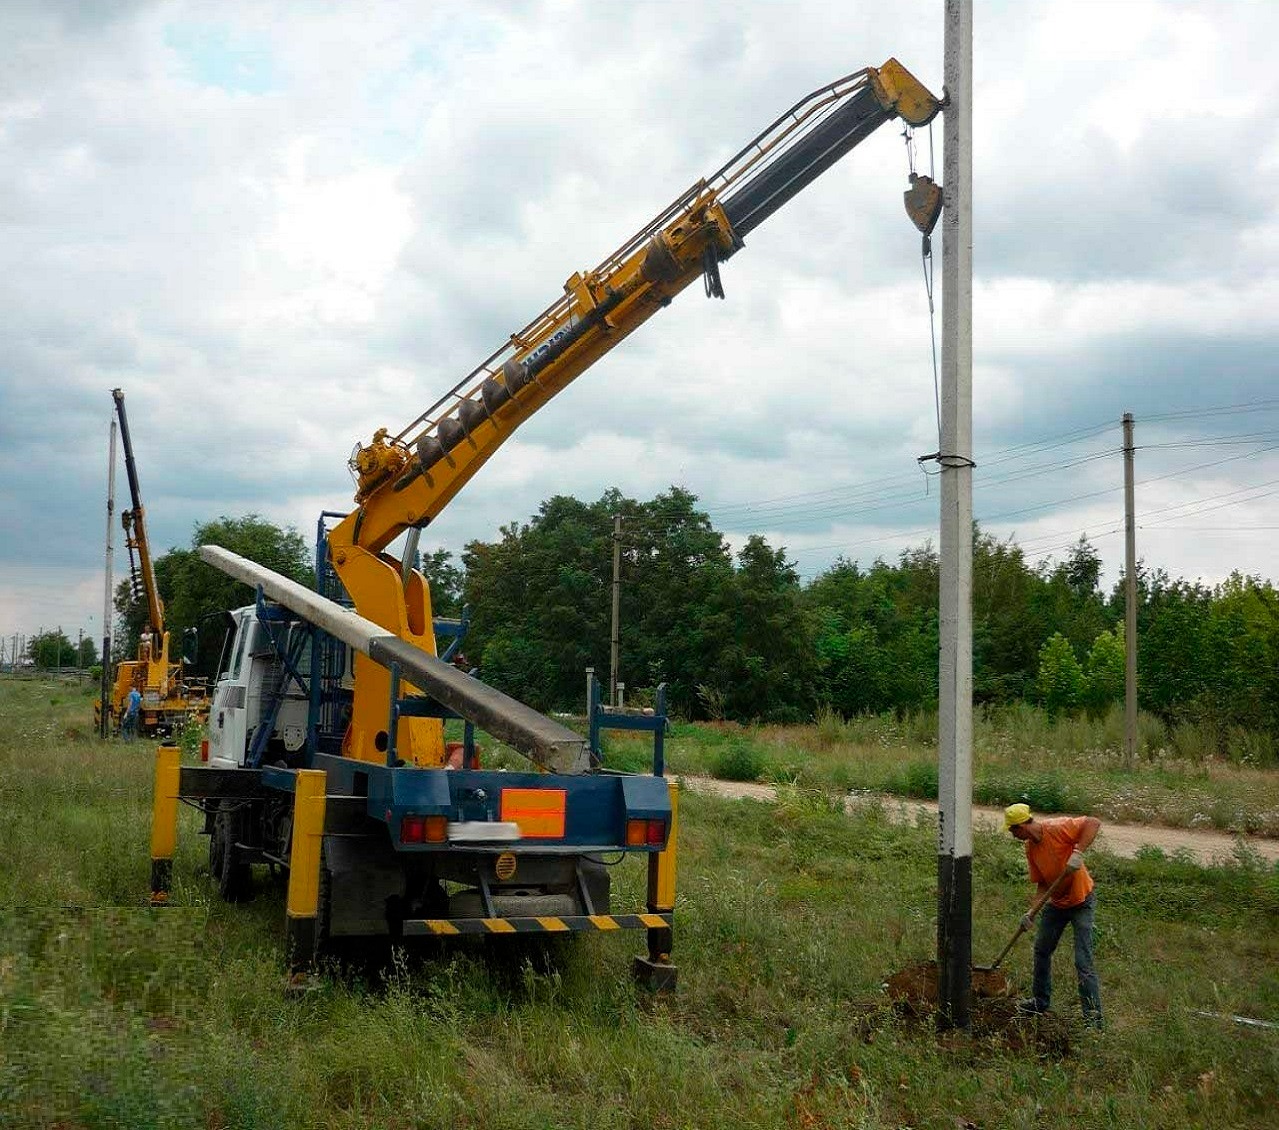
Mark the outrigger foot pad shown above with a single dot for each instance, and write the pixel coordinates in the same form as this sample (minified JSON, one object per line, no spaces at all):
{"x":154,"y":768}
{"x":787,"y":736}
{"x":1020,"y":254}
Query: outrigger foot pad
{"x":161,"y":877}
{"x":657,"y":976}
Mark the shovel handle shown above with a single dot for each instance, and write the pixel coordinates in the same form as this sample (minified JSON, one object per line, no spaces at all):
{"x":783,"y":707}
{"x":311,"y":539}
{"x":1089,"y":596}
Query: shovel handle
{"x":1034,"y":910}
{"x":1052,"y":890}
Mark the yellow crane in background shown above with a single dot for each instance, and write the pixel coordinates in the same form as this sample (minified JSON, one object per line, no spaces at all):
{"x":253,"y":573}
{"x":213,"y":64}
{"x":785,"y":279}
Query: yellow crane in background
{"x":169,"y":698}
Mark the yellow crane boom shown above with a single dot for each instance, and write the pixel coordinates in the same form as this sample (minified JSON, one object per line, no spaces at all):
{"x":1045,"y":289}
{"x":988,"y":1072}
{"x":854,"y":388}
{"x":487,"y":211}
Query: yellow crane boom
{"x":404,"y":481}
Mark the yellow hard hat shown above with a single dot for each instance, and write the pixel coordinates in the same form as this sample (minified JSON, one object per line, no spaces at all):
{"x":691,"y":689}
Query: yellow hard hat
{"x":1016,"y":814}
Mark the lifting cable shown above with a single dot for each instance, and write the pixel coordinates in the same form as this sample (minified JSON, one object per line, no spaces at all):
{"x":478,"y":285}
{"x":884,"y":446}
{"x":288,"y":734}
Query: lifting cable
{"x":927,"y":262}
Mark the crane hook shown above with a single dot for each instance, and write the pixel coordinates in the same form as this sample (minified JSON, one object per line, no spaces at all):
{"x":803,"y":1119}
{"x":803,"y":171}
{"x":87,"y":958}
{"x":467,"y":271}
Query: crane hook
{"x":923,"y":202}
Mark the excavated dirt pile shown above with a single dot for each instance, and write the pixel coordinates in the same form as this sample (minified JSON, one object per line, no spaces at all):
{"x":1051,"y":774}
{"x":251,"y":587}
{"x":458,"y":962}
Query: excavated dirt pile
{"x":913,"y":992}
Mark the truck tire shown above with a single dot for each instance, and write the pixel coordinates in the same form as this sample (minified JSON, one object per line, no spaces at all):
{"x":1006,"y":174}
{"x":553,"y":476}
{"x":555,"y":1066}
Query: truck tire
{"x":233,"y":876}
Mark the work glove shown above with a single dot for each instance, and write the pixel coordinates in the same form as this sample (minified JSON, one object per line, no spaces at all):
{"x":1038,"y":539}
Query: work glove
{"x":1076,"y":860}
{"x":1027,"y":922}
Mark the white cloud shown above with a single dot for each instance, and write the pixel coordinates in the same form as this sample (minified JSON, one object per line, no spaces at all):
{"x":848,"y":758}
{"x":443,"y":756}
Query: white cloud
{"x":281,"y":228}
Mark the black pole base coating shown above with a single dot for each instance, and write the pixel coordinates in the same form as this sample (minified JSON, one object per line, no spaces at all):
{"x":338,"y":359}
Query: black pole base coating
{"x":954,"y":941}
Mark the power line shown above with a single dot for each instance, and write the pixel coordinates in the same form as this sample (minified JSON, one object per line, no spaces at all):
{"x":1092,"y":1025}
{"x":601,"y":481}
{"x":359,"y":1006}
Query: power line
{"x":1265,"y":404}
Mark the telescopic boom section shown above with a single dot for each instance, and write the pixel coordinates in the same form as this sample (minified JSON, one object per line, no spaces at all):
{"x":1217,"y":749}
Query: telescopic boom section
{"x":135,"y":526}
{"x":406,"y":480}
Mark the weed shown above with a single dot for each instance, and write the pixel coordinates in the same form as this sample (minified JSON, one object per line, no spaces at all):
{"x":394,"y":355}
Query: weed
{"x":917,"y":779}
{"x":738,"y":761}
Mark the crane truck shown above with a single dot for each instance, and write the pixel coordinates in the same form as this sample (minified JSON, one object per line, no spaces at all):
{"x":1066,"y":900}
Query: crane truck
{"x":170,"y":697}
{"x":326,"y":754}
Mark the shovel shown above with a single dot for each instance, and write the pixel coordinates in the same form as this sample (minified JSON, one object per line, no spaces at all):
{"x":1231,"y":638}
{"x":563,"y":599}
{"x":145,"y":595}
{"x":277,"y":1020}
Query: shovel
{"x":1021,"y":926}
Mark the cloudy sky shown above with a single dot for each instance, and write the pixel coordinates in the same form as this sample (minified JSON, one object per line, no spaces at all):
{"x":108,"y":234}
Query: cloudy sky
{"x":281,"y":226}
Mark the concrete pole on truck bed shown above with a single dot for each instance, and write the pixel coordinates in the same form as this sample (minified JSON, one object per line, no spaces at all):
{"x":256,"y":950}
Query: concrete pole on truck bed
{"x":955,"y":666}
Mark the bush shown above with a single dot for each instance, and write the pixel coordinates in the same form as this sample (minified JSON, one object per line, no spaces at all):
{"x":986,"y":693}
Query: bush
{"x":1196,"y":741}
{"x":831,"y":727}
{"x":738,"y":761}
{"x":1044,"y":792}
{"x":918,"y":780}
{"x":1060,"y":680}
{"x":1250,"y":747}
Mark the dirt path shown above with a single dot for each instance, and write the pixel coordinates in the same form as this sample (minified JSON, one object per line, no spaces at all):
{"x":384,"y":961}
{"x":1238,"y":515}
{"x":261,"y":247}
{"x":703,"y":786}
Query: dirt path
{"x":1119,"y":839}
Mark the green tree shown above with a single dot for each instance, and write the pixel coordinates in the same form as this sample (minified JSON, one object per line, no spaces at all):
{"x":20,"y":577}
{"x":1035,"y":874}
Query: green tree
{"x":540,"y":602}
{"x":1060,"y":680}
{"x":1106,"y":670}
{"x":674,"y":620}
{"x":52,"y":649}
{"x":1008,"y":619}
{"x":194,"y":593}
{"x":875,"y":634}
{"x":88,"y":653}
{"x":766,"y":667}
{"x":445,"y":580}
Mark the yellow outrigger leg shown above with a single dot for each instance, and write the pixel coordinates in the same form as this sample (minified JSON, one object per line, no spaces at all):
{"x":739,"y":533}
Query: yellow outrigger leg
{"x":301,"y":933}
{"x":657,"y":971}
{"x":164,"y":822}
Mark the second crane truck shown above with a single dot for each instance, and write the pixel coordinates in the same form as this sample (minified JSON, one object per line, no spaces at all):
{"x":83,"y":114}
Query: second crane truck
{"x":170,"y":697}
{"x":326,"y":753}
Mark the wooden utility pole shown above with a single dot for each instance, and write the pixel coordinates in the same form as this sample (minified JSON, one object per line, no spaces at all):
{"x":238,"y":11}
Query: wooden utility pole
{"x":955,"y":667}
{"x":615,"y":637}
{"x":1130,"y":601}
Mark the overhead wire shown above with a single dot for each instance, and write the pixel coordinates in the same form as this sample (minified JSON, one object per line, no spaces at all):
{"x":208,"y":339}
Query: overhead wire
{"x":845,"y":501}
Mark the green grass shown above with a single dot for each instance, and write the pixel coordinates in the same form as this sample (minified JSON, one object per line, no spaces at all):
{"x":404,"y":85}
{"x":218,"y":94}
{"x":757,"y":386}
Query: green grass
{"x":790,"y":915}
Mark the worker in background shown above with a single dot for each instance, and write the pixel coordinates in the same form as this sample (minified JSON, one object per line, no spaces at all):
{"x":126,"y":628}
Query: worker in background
{"x":129,"y":729}
{"x":1055,"y":845}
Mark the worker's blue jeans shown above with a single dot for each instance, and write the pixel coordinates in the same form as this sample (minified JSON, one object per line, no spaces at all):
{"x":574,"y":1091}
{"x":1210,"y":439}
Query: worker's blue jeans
{"x":1052,"y":924}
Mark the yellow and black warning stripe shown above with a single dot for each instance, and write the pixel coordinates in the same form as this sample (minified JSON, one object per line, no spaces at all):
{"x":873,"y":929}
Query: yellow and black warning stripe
{"x":548,"y":924}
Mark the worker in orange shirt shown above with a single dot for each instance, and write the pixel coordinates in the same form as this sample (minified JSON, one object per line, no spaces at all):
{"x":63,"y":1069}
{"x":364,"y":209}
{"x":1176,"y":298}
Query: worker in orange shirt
{"x":1055,"y":845}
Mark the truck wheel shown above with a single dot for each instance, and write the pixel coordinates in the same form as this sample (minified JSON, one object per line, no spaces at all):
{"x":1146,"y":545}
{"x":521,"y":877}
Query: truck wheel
{"x":233,"y":876}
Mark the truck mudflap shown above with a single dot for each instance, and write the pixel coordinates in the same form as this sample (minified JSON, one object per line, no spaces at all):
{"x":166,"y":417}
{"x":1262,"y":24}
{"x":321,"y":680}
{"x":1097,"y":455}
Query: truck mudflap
{"x":547,"y":924}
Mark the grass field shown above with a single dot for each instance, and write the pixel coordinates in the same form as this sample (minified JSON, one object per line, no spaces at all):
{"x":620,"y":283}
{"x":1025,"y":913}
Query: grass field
{"x":1071,"y":765}
{"x":790,"y":916}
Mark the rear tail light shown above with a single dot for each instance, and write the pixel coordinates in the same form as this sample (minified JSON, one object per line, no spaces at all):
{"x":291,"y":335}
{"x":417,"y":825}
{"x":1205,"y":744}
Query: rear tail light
{"x":424,"y":829}
{"x":204,"y":749}
{"x":645,"y":833}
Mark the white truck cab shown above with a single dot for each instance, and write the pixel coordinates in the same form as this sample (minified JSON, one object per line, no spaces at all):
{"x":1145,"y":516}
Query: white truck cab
{"x":254,"y":689}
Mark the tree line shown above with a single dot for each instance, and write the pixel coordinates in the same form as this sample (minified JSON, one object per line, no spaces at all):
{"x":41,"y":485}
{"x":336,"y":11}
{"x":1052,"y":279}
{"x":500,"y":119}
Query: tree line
{"x":738,"y":635}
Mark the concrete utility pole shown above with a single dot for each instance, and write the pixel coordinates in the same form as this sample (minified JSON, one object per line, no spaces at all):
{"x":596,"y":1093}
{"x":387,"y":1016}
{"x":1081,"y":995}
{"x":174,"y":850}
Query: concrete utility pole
{"x":955,"y":721}
{"x":105,"y":689}
{"x":615,"y":638}
{"x":1130,"y":601}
